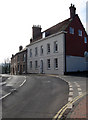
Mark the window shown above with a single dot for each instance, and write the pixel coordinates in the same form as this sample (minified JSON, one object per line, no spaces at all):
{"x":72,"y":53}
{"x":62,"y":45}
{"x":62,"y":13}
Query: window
{"x":43,"y":35}
{"x":48,"y":48}
{"x":18,"y":68}
{"x":30,"y":64}
{"x":55,"y":46}
{"x":71,"y":30}
{"x":23,"y":68}
{"x":85,"y":40}
{"x":56,"y":63}
{"x":36,"y":64}
{"x":79,"y":32}
{"x":48,"y":63}
{"x":36,"y":51}
{"x":24,"y":57}
{"x":41,"y":49}
{"x":18,"y":58}
{"x":30,"y":52}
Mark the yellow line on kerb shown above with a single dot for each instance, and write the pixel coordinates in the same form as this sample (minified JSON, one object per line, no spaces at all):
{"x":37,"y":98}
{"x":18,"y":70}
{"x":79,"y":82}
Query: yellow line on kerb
{"x":64,"y":108}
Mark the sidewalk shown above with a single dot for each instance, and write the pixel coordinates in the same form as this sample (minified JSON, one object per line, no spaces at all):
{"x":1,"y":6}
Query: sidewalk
{"x":80,"y":112}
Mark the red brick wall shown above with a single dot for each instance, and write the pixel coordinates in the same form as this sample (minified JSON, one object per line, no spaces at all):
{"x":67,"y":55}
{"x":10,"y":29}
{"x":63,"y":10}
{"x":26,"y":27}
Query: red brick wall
{"x":75,"y":45}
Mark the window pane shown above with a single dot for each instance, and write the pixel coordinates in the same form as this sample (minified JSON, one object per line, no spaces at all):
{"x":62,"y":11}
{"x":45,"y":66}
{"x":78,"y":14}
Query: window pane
{"x":85,"y":40}
{"x":56,"y":62}
{"x":55,"y":46}
{"x":71,"y":30}
{"x":48,"y":63}
{"x":48,"y":48}
{"x":79,"y":32}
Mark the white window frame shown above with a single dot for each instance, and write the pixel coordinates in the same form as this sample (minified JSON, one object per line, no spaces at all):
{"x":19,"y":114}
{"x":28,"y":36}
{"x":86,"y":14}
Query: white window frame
{"x":36,"y":51}
{"x":30,"y":64}
{"x":48,"y":48}
{"x":41,"y":50}
{"x":36,"y":64}
{"x":30,"y":52}
{"x":55,"y":64}
{"x":55,"y":46}
{"x":48,"y":64}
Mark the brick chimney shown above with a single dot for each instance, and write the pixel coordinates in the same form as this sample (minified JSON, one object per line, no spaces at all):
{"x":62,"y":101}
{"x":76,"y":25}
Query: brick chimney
{"x":20,"y":48}
{"x":72,"y":11}
{"x":36,"y":32}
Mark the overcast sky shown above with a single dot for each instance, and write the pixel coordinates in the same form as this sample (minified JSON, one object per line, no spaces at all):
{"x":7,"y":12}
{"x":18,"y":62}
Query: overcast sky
{"x":18,"y":16}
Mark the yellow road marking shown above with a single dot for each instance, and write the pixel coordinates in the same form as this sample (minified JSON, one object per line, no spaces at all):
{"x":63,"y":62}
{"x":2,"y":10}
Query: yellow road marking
{"x":64,"y":108}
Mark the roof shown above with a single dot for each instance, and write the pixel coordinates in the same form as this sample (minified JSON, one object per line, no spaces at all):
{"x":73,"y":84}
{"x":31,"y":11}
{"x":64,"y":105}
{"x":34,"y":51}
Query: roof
{"x":58,"y":27}
{"x":23,"y":50}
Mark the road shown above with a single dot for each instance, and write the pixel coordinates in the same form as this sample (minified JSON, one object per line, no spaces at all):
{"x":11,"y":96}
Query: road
{"x":40,"y":97}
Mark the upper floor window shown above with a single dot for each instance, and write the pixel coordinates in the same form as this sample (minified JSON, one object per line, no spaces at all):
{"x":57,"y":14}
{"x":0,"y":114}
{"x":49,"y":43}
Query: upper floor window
{"x":43,"y":35}
{"x":80,"y":32}
{"x":24,"y":57}
{"x":85,"y":40}
{"x":55,"y":46}
{"x":36,"y":51}
{"x":48,"y":63}
{"x":30,"y":52}
{"x":18,"y":58}
{"x":71,"y":30}
{"x":48,"y":48}
{"x":41,"y":49}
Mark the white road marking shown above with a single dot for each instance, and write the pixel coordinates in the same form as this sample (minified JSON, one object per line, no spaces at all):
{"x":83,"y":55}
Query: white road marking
{"x":5,"y":95}
{"x":70,"y":99}
{"x":23,"y":83}
{"x":80,"y":93}
{"x":70,"y":93}
{"x":70,"y":89}
{"x":2,"y":83}
{"x":79,"y":89}
{"x":70,"y":86}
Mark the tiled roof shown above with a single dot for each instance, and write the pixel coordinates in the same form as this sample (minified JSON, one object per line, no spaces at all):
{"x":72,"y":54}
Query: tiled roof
{"x":58,"y":27}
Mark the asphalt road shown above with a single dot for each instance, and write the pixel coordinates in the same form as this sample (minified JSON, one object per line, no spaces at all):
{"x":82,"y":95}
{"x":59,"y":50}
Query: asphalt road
{"x":39,"y":97}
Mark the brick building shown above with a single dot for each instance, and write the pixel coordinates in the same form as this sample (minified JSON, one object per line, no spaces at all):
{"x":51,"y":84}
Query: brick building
{"x":19,"y":62}
{"x":60,"y":49}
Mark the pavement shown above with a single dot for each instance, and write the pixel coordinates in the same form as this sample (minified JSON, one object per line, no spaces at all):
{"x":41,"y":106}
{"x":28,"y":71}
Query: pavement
{"x":79,"y":111}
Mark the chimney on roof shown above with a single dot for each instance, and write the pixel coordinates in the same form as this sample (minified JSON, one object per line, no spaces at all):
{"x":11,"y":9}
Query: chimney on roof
{"x":36,"y":32}
{"x":20,"y":47}
{"x":72,"y":11}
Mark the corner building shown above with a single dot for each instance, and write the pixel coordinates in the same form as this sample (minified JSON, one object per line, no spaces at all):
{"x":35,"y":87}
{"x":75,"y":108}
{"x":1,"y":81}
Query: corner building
{"x":60,"y":49}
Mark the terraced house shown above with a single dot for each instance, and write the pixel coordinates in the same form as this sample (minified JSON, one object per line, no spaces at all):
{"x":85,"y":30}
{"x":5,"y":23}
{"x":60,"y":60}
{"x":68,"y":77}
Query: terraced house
{"x":19,"y":62}
{"x":60,"y":49}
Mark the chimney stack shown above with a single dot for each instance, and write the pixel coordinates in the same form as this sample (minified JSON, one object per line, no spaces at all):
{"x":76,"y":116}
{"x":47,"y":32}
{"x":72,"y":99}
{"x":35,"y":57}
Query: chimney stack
{"x":72,"y":11}
{"x":36,"y":32}
{"x":20,"y":48}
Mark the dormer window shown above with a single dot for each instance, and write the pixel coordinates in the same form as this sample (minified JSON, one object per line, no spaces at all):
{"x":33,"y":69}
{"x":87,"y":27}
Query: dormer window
{"x":80,"y":32}
{"x":43,"y":35}
{"x":71,"y":30}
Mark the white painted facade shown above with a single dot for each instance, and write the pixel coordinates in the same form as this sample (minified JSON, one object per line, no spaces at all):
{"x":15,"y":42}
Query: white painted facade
{"x":42,"y":59}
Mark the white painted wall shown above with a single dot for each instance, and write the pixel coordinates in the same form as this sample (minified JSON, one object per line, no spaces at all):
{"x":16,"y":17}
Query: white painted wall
{"x":60,"y":55}
{"x":74,"y":63}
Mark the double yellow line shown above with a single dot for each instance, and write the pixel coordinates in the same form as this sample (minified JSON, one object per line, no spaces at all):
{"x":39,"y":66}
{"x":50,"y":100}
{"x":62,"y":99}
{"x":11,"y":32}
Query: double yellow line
{"x":64,"y":108}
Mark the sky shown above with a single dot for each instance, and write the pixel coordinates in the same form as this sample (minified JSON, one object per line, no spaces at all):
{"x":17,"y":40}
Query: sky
{"x":18,"y":16}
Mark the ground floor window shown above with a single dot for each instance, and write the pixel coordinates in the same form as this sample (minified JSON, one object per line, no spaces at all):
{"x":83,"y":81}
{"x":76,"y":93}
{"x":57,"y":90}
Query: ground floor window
{"x":36,"y":64}
{"x":30,"y":64}
{"x":56,"y":63}
{"x":48,"y":63}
